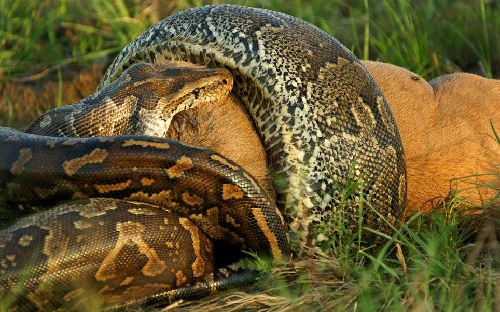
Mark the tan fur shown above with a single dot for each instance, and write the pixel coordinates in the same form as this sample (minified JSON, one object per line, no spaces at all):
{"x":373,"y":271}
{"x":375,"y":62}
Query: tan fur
{"x":444,"y":126}
{"x":225,"y":128}
{"x":446,"y":133}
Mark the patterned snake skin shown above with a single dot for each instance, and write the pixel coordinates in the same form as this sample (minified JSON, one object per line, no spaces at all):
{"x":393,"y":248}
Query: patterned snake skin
{"x":118,"y":247}
{"x":322,"y":119}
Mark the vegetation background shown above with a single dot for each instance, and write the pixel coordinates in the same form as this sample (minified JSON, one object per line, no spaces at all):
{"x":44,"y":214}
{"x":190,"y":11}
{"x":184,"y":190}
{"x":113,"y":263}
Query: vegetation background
{"x":54,"y":51}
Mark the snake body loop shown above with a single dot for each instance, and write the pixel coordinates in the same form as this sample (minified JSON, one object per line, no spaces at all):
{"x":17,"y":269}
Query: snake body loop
{"x":322,"y":118}
{"x":198,"y":195}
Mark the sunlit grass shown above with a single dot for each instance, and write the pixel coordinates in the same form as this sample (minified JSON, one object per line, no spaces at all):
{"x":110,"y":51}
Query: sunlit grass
{"x":429,"y":264}
{"x":429,"y":37}
{"x":36,"y":35}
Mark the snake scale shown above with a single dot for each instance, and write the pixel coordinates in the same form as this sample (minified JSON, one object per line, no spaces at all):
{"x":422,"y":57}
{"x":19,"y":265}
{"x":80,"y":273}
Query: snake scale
{"x":321,"y":116}
{"x":204,"y":187}
{"x":323,"y":120}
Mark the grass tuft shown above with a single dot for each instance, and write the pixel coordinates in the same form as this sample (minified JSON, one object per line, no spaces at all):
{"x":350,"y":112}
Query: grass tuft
{"x":39,"y":34}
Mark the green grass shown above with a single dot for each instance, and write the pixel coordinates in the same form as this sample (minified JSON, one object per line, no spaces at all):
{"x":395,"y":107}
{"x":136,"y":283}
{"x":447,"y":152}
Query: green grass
{"x":39,"y":35}
{"x":429,"y":37}
{"x":431,"y":262}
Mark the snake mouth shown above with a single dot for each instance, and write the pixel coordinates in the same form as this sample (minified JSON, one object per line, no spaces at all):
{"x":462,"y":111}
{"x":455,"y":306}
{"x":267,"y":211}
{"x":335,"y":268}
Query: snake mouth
{"x":204,"y":92}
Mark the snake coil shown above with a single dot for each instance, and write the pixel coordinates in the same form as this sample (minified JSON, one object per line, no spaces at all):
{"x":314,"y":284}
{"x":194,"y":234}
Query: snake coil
{"x":321,"y":117}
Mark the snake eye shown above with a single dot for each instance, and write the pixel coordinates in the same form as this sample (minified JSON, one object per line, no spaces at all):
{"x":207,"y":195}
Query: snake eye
{"x":196,"y":92}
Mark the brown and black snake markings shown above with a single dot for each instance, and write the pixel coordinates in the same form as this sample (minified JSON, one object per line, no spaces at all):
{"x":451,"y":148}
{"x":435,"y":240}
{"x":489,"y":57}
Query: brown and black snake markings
{"x":143,"y":101}
{"x":90,"y":251}
{"x":320,"y":116}
{"x":201,"y":187}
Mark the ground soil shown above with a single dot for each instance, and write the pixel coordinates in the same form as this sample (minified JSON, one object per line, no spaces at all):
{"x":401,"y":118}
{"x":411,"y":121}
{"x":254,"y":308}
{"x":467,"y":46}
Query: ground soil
{"x":24,"y":99}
